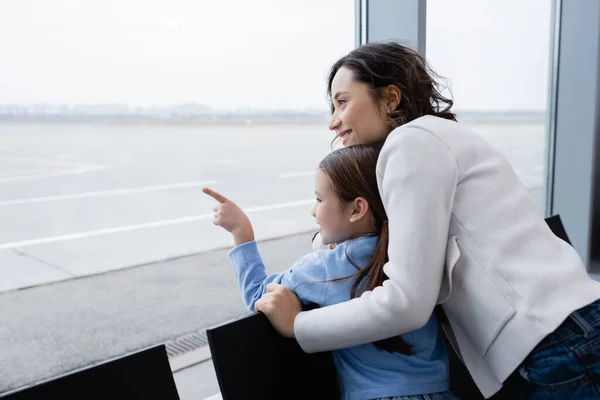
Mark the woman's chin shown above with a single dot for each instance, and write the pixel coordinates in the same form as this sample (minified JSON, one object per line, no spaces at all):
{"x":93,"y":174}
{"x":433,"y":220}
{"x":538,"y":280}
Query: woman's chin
{"x":349,"y":142}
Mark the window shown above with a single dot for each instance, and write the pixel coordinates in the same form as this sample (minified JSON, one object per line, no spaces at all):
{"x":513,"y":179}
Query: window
{"x":497,"y":55}
{"x":113,"y":115}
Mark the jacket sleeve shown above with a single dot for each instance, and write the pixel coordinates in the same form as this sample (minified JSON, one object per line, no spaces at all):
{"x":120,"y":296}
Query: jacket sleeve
{"x":307,"y":277}
{"x":417,"y":178}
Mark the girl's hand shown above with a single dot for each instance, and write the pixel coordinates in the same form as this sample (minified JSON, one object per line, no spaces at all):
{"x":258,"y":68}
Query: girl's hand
{"x":230,"y":217}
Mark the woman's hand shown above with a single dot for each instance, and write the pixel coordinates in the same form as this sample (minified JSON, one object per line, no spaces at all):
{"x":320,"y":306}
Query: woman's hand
{"x":281,"y":306}
{"x":230,"y":217}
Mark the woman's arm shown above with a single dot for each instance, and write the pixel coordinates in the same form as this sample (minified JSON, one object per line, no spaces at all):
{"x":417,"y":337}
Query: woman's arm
{"x":417,"y":178}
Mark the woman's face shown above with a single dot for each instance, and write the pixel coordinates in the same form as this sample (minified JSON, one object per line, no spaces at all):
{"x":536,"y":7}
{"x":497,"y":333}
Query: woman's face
{"x":356,"y":117}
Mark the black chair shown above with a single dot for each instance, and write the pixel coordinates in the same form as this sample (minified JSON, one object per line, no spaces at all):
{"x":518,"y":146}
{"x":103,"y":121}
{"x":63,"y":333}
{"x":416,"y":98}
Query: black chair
{"x":142,"y":375}
{"x":253,"y":361}
{"x":556,"y":226}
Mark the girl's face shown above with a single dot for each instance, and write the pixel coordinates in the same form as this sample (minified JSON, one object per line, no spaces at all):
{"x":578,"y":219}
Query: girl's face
{"x":332,"y":215}
{"x":356,"y":118}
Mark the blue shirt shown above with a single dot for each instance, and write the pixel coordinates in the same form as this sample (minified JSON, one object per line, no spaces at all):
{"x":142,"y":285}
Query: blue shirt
{"x":365,"y":372}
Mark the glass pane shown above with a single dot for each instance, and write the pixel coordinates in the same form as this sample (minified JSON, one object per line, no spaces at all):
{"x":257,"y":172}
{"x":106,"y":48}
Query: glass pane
{"x":113,"y":115}
{"x":496,"y":56}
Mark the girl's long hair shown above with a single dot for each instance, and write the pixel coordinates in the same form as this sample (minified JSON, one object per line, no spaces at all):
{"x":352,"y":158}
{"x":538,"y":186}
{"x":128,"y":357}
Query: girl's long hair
{"x":352,"y":173}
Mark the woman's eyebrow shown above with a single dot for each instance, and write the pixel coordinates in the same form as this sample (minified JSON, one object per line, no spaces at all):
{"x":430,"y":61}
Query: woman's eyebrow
{"x":338,"y":94}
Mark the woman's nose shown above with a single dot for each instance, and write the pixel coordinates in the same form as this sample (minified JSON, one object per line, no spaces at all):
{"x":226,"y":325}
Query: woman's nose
{"x":334,"y":123}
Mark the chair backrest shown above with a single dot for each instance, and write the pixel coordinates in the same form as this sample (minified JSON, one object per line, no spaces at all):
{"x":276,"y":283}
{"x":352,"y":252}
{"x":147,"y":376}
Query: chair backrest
{"x":556,"y":225}
{"x":143,"y":375}
{"x":253,"y":361}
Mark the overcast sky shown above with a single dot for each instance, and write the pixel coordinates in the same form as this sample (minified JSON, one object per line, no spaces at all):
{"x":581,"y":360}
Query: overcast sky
{"x":253,"y":53}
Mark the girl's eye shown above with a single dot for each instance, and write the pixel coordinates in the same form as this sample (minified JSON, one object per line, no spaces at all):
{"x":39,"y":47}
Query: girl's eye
{"x":318,"y":200}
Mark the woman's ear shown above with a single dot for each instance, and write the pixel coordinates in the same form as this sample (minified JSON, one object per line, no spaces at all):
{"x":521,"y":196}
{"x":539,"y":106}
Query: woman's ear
{"x":360,"y":207}
{"x":392,"y":96}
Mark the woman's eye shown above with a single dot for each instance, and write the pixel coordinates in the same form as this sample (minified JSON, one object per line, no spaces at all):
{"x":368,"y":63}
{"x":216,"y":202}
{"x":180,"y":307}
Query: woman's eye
{"x":341,"y":102}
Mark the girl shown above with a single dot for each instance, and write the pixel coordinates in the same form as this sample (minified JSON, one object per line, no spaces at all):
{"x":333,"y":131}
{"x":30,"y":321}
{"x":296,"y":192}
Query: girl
{"x":463,"y":232}
{"x":350,"y":214}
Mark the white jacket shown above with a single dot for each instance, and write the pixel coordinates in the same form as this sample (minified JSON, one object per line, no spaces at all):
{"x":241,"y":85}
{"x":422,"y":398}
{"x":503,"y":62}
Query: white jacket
{"x":464,"y":233}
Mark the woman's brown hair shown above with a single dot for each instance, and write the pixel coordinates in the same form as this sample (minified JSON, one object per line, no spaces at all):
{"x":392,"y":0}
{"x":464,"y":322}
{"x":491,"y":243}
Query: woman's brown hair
{"x":352,"y":173}
{"x":380,"y":64}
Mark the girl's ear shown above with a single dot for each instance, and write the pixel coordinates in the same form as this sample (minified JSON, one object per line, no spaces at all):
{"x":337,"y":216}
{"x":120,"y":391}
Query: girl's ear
{"x":360,"y":207}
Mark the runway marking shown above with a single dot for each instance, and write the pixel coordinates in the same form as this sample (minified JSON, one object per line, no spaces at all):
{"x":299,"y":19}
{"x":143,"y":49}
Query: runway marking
{"x":104,"y":193}
{"x":73,"y":168}
{"x":135,"y":227}
{"x":297,"y":174}
{"x":51,"y":161}
{"x":19,"y":172}
{"x":218,"y":161}
{"x":52,"y":174}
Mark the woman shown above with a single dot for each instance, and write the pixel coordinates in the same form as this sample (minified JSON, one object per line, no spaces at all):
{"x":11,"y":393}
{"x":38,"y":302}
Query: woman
{"x":463,"y":232}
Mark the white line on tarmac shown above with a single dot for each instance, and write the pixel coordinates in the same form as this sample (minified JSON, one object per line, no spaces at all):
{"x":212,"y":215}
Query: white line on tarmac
{"x":296,"y":174}
{"x":52,"y":174}
{"x":20,"y":172}
{"x":51,"y":161}
{"x":155,"y":224}
{"x":105,"y":193}
{"x":218,"y":161}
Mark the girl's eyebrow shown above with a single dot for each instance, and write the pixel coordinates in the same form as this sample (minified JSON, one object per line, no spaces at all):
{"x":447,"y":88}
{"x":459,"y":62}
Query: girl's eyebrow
{"x":317,"y":193}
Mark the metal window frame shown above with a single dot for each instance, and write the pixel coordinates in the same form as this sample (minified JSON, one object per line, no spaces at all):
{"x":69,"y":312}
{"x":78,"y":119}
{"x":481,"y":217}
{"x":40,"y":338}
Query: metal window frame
{"x":380,"y":20}
{"x":573,"y":192}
